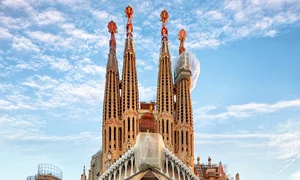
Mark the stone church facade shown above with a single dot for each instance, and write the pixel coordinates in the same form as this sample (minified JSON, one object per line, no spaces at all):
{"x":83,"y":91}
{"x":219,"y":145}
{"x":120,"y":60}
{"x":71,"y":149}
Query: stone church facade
{"x":152,"y":140}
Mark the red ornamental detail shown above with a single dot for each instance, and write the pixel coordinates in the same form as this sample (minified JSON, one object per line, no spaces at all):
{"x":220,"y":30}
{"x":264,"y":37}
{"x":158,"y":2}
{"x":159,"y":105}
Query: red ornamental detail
{"x":182,"y":35}
{"x":164,"y":31}
{"x":164,"y":16}
{"x":129,"y":12}
{"x":112,"y":27}
{"x":129,"y":28}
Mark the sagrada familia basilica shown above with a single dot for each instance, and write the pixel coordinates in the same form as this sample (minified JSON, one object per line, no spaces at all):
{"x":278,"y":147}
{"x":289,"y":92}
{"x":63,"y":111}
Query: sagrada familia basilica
{"x":152,"y":140}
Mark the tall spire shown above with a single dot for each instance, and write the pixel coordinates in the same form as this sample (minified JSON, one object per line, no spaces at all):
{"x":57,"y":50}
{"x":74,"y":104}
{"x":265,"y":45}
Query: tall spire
{"x":181,"y":37}
{"x":237,"y":176}
{"x":184,"y":129}
{"x":112,"y":29}
{"x":164,"y":18}
{"x":112,"y":60}
{"x":129,"y":14}
{"x":90,"y":174}
{"x":165,"y":98}
{"x":130,"y":93}
{"x":111,"y":124}
{"x":129,"y":46}
{"x":83,"y":175}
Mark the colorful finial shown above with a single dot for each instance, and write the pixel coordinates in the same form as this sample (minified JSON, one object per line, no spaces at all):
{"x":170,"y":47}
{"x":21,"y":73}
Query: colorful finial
{"x":164,"y":17}
{"x":129,"y":14}
{"x":112,"y":27}
{"x":181,"y":37}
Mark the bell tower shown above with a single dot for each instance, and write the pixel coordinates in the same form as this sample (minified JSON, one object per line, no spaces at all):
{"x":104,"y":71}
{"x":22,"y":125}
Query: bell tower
{"x":111,"y":124}
{"x":130,"y":93}
{"x":165,"y":101}
{"x":184,"y":128}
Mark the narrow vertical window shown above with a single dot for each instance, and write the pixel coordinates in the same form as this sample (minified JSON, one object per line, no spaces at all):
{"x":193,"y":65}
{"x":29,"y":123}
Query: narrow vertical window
{"x":133,"y":125}
{"x":120,"y":137}
{"x":167,"y":126}
{"x":124,"y":131}
{"x":163,"y":126}
{"x":182,"y":137}
{"x":187,"y":138}
{"x":115,"y":133}
{"x":104,"y":140}
{"x":128,"y":121}
{"x":109,"y":134}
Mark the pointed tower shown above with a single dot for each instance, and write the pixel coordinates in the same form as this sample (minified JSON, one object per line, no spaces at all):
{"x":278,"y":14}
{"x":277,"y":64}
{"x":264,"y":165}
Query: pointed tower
{"x":184,"y":130}
{"x":130,"y":93}
{"x":237,"y":176}
{"x":111,"y":124}
{"x":90,"y":175}
{"x":83,"y":176}
{"x":165,"y":101}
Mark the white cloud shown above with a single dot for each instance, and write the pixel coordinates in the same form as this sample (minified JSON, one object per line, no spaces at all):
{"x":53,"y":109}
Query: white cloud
{"x":102,"y":15}
{"x":216,"y":15}
{"x":234,"y":5}
{"x":82,"y":136}
{"x":17,"y":4}
{"x":286,"y":145}
{"x":15,"y":104}
{"x":245,"y":110}
{"x":295,"y":176}
{"x":147,"y":93}
{"x":287,"y":142}
{"x":240,"y":136}
{"x":60,"y":64}
{"x":4,"y":34}
{"x":43,"y":37}
{"x":14,"y":23}
{"x":49,"y":17}
{"x":28,"y":128}
{"x":22,"y":43}
{"x":271,"y":33}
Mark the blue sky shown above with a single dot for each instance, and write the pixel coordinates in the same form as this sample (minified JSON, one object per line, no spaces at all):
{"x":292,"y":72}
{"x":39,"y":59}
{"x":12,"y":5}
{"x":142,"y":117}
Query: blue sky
{"x":246,"y":101}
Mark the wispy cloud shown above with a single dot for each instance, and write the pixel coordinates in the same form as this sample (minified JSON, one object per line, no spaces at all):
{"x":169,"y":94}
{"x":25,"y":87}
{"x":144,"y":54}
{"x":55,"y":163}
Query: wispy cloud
{"x":24,"y":44}
{"x":244,"y":110}
{"x":4,"y":34}
{"x":295,"y":176}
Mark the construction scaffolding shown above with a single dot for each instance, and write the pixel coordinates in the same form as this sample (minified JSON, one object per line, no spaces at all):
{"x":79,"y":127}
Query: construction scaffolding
{"x":49,"y":170}
{"x":187,"y":63}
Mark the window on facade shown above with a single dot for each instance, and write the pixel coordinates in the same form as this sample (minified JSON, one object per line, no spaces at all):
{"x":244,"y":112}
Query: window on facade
{"x":109,"y":133}
{"x":128,"y":124}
